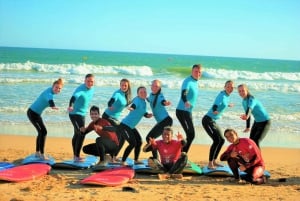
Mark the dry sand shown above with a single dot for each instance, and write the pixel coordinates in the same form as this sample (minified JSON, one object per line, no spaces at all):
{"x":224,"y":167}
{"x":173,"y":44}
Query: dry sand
{"x":64,"y":184}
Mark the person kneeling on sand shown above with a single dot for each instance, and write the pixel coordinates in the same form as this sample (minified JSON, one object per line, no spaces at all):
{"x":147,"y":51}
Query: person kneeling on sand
{"x":172,"y":159}
{"x":106,"y":143}
{"x":245,"y":155}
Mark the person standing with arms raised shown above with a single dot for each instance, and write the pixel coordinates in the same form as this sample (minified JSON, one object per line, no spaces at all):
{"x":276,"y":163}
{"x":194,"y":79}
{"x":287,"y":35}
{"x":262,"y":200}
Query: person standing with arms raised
{"x":188,"y":98}
{"x":78,"y":107}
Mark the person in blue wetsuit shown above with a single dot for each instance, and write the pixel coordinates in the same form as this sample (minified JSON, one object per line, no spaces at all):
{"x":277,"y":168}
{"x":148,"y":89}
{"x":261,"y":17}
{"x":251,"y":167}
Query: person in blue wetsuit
{"x":78,"y":107}
{"x":35,"y":111}
{"x":158,"y":105}
{"x":209,"y":124}
{"x":120,"y":99}
{"x":138,"y":109}
{"x":188,"y":98}
{"x":262,"y":121}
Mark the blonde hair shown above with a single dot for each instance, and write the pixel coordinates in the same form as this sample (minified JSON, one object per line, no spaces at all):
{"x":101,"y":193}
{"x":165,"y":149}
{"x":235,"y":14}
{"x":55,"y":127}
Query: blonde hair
{"x":59,"y":81}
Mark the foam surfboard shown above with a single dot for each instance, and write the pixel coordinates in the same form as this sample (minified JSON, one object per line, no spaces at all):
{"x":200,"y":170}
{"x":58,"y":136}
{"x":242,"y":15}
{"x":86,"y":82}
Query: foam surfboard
{"x":190,"y":168}
{"x":33,"y":159}
{"x":224,"y":171}
{"x":25,"y":172}
{"x":88,"y":162}
{"x":266,"y":173}
{"x":110,"y":177}
{"x":5,"y":165}
{"x":110,"y":165}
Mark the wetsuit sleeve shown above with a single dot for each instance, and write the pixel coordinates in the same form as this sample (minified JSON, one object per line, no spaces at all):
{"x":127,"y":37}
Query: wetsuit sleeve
{"x":51,"y":103}
{"x":214,"y":108}
{"x":226,"y":155}
{"x":89,"y":128}
{"x":72,"y":100}
{"x":184,"y":95}
{"x":110,"y":102}
{"x":133,"y":106}
{"x":248,"y":121}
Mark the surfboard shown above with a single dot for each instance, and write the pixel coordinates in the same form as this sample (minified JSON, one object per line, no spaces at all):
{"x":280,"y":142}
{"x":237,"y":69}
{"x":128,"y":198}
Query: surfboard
{"x":224,"y":171}
{"x":110,"y":165}
{"x":88,"y":162}
{"x":5,"y":165}
{"x":24,"y":172}
{"x":110,"y":177}
{"x":266,"y":173}
{"x":190,"y":168}
{"x":33,"y":159}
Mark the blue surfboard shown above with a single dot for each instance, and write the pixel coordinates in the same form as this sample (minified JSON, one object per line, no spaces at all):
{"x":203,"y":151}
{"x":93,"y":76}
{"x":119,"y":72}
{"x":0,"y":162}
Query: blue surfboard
{"x":224,"y":171}
{"x":110,"y":165}
{"x":33,"y":159}
{"x":88,"y":162}
{"x":6,"y":165}
{"x":266,"y":173}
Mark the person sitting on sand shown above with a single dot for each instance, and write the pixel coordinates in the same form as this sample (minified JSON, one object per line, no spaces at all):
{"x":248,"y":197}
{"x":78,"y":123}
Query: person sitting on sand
{"x":172,"y":159}
{"x":245,"y":155}
{"x":106,"y":143}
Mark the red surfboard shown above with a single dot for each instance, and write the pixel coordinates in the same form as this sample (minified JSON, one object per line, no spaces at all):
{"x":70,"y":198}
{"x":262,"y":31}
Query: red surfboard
{"x":25,"y":172}
{"x":110,"y":177}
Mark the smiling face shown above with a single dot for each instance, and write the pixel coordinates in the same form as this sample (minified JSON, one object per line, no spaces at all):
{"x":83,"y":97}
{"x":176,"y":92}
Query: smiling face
{"x":124,"y":86}
{"x":231,"y":136}
{"x":142,"y":92}
{"x":56,"y":88}
{"x":229,"y":87}
{"x":155,"y":87}
{"x":243,"y":91}
{"x":167,"y":136}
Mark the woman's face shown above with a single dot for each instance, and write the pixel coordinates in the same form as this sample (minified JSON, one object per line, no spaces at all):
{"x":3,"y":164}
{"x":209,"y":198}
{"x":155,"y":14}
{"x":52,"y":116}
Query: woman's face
{"x":57,"y":88}
{"x":231,"y":136}
{"x":242,"y":91}
{"x":155,"y":87}
{"x":229,"y":87}
{"x":124,"y":86}
{"x":142,"y":93}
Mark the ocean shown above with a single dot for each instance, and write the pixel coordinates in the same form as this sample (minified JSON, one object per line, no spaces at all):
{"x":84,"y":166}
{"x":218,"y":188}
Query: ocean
{"x":26,"y":72}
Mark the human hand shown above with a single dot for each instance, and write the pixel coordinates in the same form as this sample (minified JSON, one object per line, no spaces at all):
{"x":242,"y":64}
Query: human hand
{"x":246,"y":130}
{"x":187,"y":104}
{"x":244,"y":117}
{"x":70,"y":109}
{"x":179,"y":136}
{"x":167,"y":103}
{"x":82,"y":129}
{"x":54,"y":108}
{"x":152,"y":141}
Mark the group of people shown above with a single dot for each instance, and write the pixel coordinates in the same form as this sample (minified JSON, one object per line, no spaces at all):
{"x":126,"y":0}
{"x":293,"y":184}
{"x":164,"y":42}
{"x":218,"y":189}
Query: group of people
{"x":114,"y":131}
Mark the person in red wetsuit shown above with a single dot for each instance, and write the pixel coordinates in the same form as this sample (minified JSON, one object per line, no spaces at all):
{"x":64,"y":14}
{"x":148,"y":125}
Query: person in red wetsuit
{"x":172,"y":159}
{"x":245,"y":155}
{"x":106,"y":143}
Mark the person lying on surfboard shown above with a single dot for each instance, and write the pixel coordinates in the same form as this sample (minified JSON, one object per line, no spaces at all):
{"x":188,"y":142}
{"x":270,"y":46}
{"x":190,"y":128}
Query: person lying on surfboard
{"x":106,"y":143}
{"x":244,"y":155}
{"x":172,"y":159}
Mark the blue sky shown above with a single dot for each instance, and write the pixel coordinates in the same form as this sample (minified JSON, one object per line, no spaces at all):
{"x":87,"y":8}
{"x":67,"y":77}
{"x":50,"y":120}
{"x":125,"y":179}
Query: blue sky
{"x":235,"y":28}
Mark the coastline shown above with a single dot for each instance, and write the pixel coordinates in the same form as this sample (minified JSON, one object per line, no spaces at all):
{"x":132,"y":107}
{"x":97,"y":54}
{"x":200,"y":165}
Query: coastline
{"x":64,"y":185}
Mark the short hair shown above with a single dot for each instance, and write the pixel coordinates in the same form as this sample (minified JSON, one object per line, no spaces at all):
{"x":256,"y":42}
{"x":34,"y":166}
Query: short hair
{"x":168,"y":128}
{"x":95,"y":108}
{"x":197,"y":66}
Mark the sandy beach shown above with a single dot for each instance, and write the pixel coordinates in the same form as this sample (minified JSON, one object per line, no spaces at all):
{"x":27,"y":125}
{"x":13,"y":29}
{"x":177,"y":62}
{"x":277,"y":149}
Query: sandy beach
{"x":64,"y":184}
